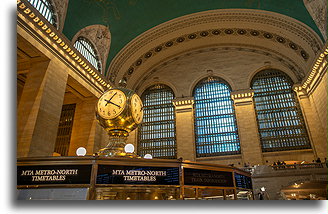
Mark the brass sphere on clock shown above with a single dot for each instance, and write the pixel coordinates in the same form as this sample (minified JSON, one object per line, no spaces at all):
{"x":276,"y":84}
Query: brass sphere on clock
{"x":119,"y":111}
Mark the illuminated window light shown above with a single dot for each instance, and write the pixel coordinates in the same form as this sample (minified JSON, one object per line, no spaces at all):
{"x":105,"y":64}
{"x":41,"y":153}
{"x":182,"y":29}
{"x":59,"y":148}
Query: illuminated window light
{"x":40,"y":23}
{"x":55,"y":37}
{"x":209,"y":108}
{"x":52,"y":34}
{"x":59,"y":40}
{"x":158,"y":98}
{"x":18,"y":1}
{"x":273,"y":91}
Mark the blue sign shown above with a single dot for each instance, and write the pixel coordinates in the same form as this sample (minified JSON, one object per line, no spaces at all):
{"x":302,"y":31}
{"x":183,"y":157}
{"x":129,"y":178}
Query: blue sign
{"x":108,"y":174}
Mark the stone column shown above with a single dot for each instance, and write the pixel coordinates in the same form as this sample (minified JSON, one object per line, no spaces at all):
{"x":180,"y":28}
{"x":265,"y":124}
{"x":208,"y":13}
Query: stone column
{"x":247,"y":127}
{"x":316,"y":132}
{"x":39,"y":109}
{"x":84,"y":127}
{"x":185,"y":135}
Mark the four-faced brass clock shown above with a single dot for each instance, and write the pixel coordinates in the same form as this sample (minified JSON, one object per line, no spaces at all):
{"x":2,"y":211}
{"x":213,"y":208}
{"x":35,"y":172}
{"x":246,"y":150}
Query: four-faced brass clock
{"x":111,"y":104}
{"x":119,"y":110}
{"x":137,"y":108}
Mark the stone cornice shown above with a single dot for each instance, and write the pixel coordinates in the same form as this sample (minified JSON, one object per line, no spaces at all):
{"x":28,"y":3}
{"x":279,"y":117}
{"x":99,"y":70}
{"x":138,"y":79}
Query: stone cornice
{"x":29,"y":18}
{"x":319,"y":68}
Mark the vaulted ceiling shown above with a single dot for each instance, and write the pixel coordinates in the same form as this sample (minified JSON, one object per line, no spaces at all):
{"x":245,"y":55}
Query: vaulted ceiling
{"x":127,"y":19}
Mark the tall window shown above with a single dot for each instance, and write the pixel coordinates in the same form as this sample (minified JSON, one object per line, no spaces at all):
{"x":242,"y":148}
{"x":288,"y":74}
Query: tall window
{"x":215,"y":122}
{"x":279,"y":118}
{"x":157,"y":131}
{"x":85,"y":47}
{"x":65,"y":129}
{"x":46,"y":10}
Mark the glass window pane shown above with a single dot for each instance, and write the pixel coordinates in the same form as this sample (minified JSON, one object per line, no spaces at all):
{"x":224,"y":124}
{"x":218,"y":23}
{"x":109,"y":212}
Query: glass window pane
{"x":157,"y":131}
{"x":65,"y":129}
{"x":215,"y":122}
{"x":45,"y":9}
{"x":280,"y":121}
{"x":85,"y":47}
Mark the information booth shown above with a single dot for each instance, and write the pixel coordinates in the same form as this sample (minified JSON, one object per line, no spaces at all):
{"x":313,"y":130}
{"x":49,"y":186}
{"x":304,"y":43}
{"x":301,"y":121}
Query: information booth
{"x":98,"y":178}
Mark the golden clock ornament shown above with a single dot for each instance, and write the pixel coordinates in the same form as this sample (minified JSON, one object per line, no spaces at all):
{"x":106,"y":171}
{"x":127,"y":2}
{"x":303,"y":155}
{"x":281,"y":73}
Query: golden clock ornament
{"x":119,"y":111}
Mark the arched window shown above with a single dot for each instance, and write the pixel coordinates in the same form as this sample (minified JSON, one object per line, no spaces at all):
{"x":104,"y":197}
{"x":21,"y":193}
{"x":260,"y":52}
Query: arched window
{"x":279,"y":118}
{"x":46,"y":10}
{"x":215,"y":122}
{"x":157,"y":131}
{"x":85,"y":47}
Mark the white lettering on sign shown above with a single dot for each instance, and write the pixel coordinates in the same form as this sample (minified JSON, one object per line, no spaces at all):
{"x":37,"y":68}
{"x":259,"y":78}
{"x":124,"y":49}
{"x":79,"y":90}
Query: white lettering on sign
{"x":49,"y":175}
{"x":138,"y":175}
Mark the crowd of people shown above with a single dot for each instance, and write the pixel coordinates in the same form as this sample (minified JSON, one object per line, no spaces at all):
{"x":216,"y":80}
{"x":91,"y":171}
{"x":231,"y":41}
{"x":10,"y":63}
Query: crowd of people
{"x":282,"y":164}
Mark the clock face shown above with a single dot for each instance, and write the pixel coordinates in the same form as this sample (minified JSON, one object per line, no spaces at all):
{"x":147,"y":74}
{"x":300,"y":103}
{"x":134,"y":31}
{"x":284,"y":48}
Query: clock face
{"x":111,"y":104}
{"x":136,"y":108}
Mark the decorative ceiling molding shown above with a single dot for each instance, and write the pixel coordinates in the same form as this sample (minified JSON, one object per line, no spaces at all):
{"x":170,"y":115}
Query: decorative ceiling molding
{"x":156,"y":35}
{"x":223,"y":32}
{"x":291,"y":65}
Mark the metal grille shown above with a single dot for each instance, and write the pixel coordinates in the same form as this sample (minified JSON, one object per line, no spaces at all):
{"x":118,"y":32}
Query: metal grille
{"x":65,"y":129}
{"x":157,"y":132}
{"x":85,"y":47}
{"x":280,"y":121}
{"x":45,"y":9}
{"x":215,"y":122}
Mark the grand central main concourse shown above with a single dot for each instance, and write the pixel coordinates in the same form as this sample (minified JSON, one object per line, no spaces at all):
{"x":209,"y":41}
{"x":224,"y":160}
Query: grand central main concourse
{"x":172,"y":100}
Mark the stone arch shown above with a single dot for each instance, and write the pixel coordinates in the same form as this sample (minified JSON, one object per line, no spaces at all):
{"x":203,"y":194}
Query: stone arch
{"x":168,"y":84}
{"x":214,"y":74}
{"x":60,"y":7}
{"x":290,"y":74}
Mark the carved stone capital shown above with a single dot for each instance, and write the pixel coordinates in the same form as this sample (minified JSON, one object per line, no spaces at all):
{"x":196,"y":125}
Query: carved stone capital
{"x":183,"y":104}
{"x":242,"y":97}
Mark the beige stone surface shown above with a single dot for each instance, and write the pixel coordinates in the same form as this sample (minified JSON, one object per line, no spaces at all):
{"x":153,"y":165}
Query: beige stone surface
{"x":39,"y":109}
{"x":248,"y":134}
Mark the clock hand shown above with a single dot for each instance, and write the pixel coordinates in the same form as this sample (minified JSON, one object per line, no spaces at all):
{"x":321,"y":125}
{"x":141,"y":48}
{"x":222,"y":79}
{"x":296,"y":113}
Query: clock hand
{"x":112,"y":97}
{"x":113,"y":104}
{"x":109,"y":101}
